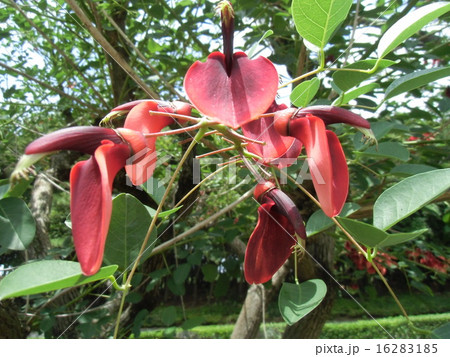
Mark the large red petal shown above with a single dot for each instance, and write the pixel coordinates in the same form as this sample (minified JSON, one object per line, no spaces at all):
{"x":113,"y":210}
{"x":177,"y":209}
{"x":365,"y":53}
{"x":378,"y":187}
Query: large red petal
{"x":236,"y":99}
{"x":139,"y":119}
{"x":330,"y":178}
{"x":269,"y":245}
{"x":280,"y":151}
{"x":90,"y":202}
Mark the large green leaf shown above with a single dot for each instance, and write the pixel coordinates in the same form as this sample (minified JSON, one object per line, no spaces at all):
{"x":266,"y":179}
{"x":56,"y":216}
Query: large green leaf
{"x":47,"y":275}
{"x":409,"y":195}
{"x":129,"y":224}
{"x":346,"y":80}
{"x":409,"y":25}
{"x":316,"y":20}
{"x":305,"y":92}
{"x":297,"y":300}
{"x":392,"y":150}
{"x":411,"y":169}
{"x":319,"y":221}
{"x":415,"y":80}
{"x":17,"y":225}
{"x":373,"y":237}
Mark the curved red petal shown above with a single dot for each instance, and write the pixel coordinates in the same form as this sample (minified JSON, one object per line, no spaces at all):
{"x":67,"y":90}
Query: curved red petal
{"x":236,"y":99}
{"x":280,"y":151}
{"x":90,"y":202}
{"x":81,"y":138}
{"x":139,"y":119}
{"x":269,"y":246}
{"x":328,"y":177}
{"x":331,"y":115}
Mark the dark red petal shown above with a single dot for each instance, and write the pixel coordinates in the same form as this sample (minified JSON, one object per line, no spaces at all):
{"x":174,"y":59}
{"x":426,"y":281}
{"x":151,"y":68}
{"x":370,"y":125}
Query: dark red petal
{"x":236,"y":99}
{"x":330,"y":179}
{"x":332,"y":115}
{"x":81,"y":138}
{"x":269,"y":245}
{"x":90,"y":202}
{"x":285,"y":206}
{"x":139,"y":119}
{"x":280,"y":151}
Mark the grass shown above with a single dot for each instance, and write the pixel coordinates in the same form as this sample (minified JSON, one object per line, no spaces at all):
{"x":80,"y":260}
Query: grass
{"x":344,"y":309}
{"x":369,"y":329}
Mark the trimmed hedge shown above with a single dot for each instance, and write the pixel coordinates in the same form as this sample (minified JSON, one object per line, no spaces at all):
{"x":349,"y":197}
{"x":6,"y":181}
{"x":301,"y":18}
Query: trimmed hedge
{"x":370,"y":329}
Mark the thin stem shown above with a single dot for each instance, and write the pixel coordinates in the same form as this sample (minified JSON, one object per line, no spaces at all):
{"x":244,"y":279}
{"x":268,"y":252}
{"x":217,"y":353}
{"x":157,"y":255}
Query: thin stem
{"x":299,"y":78}
{"x":177,"y":116}
{"x":197,"y":138}
{"x":175,"y":131}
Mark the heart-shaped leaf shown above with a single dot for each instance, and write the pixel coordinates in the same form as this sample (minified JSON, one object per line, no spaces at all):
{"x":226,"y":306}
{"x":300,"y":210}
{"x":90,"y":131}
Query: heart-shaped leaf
{"x":297,"y":300}
{"x":238,"y":98}
{"x":47,"y":275}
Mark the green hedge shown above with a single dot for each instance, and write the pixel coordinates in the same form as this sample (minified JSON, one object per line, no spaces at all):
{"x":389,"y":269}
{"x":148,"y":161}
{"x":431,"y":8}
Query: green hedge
{"x":396,"y":326}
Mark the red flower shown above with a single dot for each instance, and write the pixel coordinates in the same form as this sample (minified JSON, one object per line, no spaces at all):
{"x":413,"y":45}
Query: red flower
{"x":231,"y":88}
{"x":280,"y":151}
{"x":427,"y":258}
{"x":90,"y":181}
{"x":326,"y":158}
{"x":382,"y":260}
{"x":276,"y":233}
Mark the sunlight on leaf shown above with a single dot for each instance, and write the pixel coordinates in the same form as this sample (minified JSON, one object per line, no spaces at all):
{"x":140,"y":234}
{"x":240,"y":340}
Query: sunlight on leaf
{"x":305,"y":92}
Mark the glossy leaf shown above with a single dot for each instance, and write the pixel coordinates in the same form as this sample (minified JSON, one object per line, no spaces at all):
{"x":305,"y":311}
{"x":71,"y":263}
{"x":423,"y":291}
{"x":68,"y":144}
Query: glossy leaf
{"x":415,"y":80}
{"x":372,"y":237}
{"x":17,"y":225}
{"x":409,"y":25}
{"x":47,"y":275}
{"x":316,"y":20}
{"x":392,"y":150}
{"x":297,"y":300}
{"x":408,"y":196}
{"x":305,"y":92}
{"x":129,"y":224}
{"x":346,"y":80}
{"x":318,"y":222}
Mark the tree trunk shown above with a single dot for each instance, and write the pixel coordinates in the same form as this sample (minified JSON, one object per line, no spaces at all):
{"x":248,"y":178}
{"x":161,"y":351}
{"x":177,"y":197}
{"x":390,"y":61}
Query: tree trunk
{"x":317,"y":264}
{"x":40,"y":206}
{"x":10,"y":326}
{"x":256,"y":301}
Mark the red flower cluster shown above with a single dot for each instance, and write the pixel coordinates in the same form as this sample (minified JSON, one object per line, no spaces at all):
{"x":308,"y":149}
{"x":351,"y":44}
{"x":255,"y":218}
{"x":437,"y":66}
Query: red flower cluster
{"x":382,"y":260}
{"x":425,"y":257}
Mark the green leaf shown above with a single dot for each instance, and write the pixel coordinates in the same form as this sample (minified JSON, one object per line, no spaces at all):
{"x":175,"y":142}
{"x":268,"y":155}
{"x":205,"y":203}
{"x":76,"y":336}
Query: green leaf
{"x":17,"y":189}
{"x":47,"y":275}
{"x":17,"y":225}
{"x":411,"y":169}
{"x":316,"y":20}
{"x":408,"y":196}
{"x":209,"y":272}
{"x":192,"y":322}
{"x":346,"y":80}
{"x":305,"y":92}
{"x":409,"y":25}
{"x":392,"y":150}
{"x":169,"y":315}
{"x":442,"y":331}
{"x":318,"y":222}
{"x":355,"y":93}
{"x":415,"y":80}
{"x":129,"y":224}
{"x":297,"y":300}
{"x":181,"y":273}
{"x":163,"y":214}
{"x":372,"y":237}
{"x":253,"y":49}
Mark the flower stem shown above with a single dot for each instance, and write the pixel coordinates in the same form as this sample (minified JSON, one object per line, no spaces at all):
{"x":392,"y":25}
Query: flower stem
{"x":197,"y":138}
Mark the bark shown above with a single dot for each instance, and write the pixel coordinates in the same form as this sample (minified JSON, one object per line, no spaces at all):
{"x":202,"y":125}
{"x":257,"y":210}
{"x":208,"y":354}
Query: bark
{"x":40,"y":206}
{"x":318,"y":264}
{"x":10,"y":326}
{"x":256,"y":301}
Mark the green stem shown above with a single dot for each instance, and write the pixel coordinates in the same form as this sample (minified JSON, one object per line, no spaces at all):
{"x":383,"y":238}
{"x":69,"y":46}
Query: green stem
{"x":116,"y":286}
{"x":197,"y":138}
